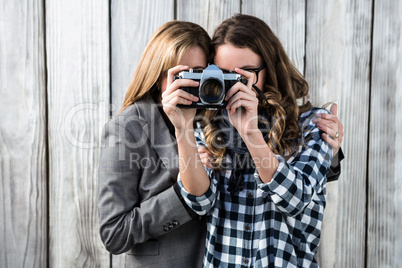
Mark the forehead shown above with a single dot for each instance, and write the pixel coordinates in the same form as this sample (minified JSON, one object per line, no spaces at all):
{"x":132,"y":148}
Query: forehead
{"x":194,"y":57}
{"x":229,"y":57}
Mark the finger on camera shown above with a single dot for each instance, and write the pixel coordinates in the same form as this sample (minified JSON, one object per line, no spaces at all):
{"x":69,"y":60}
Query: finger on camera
{"x":239,"y":87}
{"x":248,"y":75}
{"x":175,"y":70}
{"x":239,"y":95}
{"x":186,"y":95}
{"x":246,"y":104}
{"x":231,"y":92}
{"x":181,"y":83}
{"x":179,"y":100}
{"x":176,"y":96}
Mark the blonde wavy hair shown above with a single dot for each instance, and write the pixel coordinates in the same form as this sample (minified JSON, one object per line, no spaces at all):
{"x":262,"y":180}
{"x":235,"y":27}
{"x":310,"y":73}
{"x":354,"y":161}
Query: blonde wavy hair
{"x":164,"y":50}
{"x":283,"y":85}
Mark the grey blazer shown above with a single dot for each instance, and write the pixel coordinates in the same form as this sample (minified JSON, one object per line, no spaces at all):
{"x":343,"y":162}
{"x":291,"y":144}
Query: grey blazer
{"x":140,"y":212}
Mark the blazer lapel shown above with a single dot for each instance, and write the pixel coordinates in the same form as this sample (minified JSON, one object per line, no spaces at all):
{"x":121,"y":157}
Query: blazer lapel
{"x":159,"y":136}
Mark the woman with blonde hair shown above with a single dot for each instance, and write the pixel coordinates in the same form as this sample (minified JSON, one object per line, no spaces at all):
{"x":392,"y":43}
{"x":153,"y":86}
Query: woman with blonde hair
{"x":141,"y":211}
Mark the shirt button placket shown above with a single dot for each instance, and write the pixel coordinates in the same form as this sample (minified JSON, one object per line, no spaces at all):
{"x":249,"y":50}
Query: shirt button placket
{"x":248,"y":240}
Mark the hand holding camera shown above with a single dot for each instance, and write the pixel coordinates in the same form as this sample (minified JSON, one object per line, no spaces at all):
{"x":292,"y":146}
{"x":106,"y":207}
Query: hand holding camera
{"x":213,"y":86}
{"x":173,"y":96}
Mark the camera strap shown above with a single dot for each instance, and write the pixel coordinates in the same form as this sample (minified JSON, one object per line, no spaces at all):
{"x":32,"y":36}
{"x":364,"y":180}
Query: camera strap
{"x":262,"y":95}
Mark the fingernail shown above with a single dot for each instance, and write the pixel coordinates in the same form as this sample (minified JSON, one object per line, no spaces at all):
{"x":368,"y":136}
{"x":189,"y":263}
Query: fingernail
{"x":315,"y":120}
{"x":195,"y":83}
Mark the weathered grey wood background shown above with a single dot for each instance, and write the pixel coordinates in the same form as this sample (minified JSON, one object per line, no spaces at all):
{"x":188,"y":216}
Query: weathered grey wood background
{"x":65,"y":66}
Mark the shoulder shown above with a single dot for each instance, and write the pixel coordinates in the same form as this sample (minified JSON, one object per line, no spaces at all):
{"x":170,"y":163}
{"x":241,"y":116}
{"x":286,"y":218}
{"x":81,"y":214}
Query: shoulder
{"x":306,"y":118}
{"x":132,"y":119}
{"x":127,"y":117}
{"x":307,"y":126}
{"x":139,"y":111}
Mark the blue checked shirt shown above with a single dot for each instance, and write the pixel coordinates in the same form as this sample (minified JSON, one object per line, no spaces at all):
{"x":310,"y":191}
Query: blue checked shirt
{"x":275,"y":224}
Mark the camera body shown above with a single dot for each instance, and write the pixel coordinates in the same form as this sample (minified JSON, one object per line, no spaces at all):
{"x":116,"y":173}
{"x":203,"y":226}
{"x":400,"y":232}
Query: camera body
{"x":212,"y":88}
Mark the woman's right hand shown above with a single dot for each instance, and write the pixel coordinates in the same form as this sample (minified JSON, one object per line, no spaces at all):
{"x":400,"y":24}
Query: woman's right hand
{"x":174,"y":95}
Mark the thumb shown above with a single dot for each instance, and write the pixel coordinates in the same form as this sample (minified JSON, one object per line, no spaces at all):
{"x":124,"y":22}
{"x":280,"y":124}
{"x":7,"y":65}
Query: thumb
{"x":334,"y":109}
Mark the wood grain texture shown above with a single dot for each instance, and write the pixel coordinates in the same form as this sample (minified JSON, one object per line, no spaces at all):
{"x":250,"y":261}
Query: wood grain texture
{"x":338,"y":68}
{"x":77,"y":41}
{"x":207,"y":13}
{"x":23,"y":194}
{"x":327,"y":40}
{"x":133,"y":23}
{"x":384,"y":243}
{"x":287,"y":21}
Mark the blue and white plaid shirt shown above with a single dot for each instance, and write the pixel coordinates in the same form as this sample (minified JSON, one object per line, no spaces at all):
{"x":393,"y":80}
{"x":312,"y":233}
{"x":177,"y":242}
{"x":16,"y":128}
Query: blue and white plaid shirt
{"x":275,"y":224}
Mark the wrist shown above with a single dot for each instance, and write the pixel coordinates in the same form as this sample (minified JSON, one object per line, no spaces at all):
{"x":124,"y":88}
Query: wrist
{"x":185,"y":127}
{"x":253,"y":138}
{"x":185,"y":136}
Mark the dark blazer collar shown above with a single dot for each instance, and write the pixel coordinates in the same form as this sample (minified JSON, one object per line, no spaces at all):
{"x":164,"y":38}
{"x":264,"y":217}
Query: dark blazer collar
{"x":158,"y":134}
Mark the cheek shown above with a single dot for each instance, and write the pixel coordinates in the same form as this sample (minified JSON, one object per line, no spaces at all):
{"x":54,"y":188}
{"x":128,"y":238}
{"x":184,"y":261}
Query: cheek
{"x":260,"y":85}
{"x":261,"y":80}
{"x":163,"y":84}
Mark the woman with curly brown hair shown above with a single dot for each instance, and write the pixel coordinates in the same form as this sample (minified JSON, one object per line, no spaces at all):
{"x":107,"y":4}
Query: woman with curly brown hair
{"x":265,"y":198}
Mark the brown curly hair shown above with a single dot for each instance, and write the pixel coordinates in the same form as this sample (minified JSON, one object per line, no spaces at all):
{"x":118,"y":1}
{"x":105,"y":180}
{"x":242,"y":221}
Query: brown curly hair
{"x":284,"y":85}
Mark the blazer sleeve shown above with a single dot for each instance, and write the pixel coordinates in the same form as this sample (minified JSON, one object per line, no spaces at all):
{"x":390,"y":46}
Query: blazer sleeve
{"x":125,"y":219}
{"x":335,"y":170}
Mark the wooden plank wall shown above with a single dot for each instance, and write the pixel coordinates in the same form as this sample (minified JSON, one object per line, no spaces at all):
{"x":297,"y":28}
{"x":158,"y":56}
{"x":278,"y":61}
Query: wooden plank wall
{"x":338,"y":69}
{"x":64,"y":70}
{"x":77,"y":45}
{"x":384,"y":238}
{"x":23,"y":149}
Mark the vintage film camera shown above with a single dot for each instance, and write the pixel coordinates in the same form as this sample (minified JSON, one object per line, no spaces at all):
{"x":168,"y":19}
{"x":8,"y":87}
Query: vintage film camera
{"x":212,"y":88}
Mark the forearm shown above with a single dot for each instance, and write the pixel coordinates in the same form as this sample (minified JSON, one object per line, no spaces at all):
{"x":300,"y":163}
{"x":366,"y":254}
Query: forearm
{"x":192,"y":173}
{"x":264,"y":159}
{"x":122,"y":228}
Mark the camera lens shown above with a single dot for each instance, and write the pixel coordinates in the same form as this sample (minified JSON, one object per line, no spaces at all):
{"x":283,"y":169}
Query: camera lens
{"x":211,"y":91}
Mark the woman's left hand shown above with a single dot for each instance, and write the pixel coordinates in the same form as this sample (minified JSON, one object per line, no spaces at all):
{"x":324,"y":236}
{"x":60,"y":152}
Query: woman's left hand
{"x":332,"y":127}
{"x":242,"y":105}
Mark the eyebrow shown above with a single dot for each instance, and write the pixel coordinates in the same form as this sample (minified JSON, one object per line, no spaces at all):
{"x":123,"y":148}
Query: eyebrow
{"x":199,"y":67}
{"x":249,"y":67}
{"x":243,"y":67}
